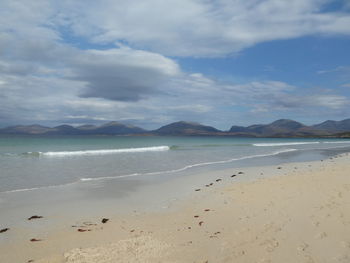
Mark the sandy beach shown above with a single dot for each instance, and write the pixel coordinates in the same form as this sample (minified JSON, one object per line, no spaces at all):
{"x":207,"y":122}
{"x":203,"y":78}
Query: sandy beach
{"x":295,"y":212}
{"x":180,"y":131}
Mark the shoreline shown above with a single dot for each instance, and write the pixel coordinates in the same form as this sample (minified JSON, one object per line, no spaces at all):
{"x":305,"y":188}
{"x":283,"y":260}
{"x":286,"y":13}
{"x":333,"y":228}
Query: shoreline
{"x":189,"y":167}
{"x":231,"y":229}
{"x":144,"y":193}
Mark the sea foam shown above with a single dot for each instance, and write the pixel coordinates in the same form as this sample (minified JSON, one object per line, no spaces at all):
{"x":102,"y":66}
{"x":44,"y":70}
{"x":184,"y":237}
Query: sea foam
{"x":99,"y":152}
{"x":337,"y":142}
{"x":283,"y":143}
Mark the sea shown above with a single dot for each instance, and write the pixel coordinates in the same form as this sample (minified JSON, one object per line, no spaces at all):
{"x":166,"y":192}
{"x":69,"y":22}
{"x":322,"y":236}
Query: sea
{"x":30,"y":163}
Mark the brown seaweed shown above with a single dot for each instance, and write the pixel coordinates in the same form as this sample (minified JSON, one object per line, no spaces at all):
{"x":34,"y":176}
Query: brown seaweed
{"x":35,"y":217}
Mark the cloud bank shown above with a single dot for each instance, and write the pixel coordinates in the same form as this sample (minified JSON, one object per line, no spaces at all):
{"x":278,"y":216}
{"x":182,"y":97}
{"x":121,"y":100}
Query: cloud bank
{"x":93,"y":61}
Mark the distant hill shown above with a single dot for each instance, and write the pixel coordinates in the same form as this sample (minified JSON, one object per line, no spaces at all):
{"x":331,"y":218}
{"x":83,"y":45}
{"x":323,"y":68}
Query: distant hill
{"x":334,"y":126}
{"x":63,"y":130}
{"x":117,"y":128}
{"x":279,"y":128}
{"x":186,"y":128}
{"x":86,"y":127}
{"x":23,"y":129}
{"x":111,"y":128}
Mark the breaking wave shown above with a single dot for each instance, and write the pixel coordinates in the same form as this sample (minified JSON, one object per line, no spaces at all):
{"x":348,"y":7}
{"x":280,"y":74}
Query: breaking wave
{"x":298,"y":143}
{"x":98,"y":152}
{"x":283,"y":143}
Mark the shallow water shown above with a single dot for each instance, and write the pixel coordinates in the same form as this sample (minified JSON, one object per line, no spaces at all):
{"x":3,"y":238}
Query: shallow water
{"x":29,"y":163}
{"x":67,"y":179}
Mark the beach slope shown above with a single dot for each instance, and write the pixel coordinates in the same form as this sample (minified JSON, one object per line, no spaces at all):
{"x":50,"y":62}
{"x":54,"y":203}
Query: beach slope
{"x":302,"y":214}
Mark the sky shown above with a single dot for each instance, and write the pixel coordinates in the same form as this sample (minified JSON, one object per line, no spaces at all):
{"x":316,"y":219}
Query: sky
{"x":153,"y":62}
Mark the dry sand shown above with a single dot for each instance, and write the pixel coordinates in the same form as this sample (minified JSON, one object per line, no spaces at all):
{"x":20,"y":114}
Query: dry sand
{"x":300,"y":215}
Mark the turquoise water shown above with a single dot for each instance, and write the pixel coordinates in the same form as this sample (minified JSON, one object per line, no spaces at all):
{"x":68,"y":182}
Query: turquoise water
{"x":37,"y":162}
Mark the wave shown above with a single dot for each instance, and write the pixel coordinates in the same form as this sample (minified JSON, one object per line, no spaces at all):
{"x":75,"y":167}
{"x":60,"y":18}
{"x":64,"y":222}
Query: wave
{"x":36,"y":188}
{"x":338,"y":142}
{"x":189,"y":166}
{"x":221,"y":145}
{"x":283,"y":143}
{"x":152,"y":173}
{"x":98,"y":152}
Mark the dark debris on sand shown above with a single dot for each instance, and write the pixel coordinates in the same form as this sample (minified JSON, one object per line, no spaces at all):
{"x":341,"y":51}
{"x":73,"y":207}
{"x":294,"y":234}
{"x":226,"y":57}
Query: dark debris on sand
{"x":35,"y":240}
{"x":104,"y":220}
{"x":83,"y":230}
{"x":35,"y":217}
{"x":4,"y":230}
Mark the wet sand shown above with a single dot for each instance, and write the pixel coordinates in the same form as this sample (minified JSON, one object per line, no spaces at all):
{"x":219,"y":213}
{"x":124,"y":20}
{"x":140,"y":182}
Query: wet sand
{"x":296,"y":212}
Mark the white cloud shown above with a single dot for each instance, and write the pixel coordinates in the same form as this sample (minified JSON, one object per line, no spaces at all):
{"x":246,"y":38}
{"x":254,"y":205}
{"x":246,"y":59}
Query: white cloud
{"x":339,"y":69}
{"x":200,"y":28}
{"x":85,"y":117}
{"x":329,"y":101}
{"x":192,"y":108}
{"x":173,"y":27}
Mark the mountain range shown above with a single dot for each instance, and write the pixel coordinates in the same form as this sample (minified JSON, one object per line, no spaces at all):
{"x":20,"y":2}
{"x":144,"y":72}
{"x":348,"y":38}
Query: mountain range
{"x":279,"y":128}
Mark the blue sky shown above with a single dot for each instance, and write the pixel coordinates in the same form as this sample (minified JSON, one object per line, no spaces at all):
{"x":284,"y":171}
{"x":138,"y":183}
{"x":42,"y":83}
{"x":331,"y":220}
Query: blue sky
{"x":279,"y":59}
{"x":149,"y":63}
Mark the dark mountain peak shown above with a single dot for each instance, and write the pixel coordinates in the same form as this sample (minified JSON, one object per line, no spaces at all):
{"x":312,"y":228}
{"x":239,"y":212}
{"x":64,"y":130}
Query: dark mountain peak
{"x":286,"y":123}
{"x":334,"y":126}
{"x":186,"y":128}
{"x":188,"y":122}
{"x":282,"y":127}
{"x":118,"y":128}
{"x":184,"y":124}
{"x":118,"y":124}
{"x":111,"y":123}
{"x":64,"y":127}
{"x":86,"y":127}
